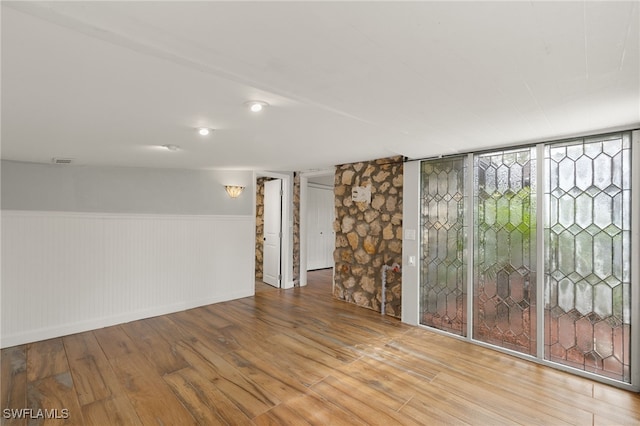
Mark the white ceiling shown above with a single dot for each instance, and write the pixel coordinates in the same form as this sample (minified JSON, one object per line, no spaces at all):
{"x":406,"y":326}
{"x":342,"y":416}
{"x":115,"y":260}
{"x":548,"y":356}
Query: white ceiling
{"x":109,"y":82}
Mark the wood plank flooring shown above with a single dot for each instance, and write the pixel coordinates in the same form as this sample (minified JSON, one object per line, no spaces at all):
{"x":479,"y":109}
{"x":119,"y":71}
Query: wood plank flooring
{"x":292,"y":357}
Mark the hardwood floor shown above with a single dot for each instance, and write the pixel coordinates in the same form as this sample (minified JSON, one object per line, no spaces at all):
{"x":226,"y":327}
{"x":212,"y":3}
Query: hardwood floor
{"x":293,"y":357}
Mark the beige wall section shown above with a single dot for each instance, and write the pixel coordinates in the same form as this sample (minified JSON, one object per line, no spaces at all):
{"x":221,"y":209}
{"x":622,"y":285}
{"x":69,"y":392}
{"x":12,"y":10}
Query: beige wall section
{"x":127,"y":190}
{"x":369,"y":234}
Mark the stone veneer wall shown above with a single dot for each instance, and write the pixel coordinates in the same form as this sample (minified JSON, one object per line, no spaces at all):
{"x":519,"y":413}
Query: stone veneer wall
{"x":369,"y":235}
{"x":296,"y":228}
{"x":259,"y":224}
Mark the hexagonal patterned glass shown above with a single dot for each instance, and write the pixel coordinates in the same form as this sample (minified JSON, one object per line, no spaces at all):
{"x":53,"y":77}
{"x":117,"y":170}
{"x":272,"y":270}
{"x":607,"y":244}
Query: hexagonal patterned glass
{"x":587,"y":243}
{"x":505,"y":250}
{"x":443,"y":267}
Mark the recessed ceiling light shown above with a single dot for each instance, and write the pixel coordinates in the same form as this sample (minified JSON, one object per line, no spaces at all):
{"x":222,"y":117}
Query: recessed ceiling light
{"x":256,"y":106}
{"x":204,"y":131}
{"x":171,"y":147}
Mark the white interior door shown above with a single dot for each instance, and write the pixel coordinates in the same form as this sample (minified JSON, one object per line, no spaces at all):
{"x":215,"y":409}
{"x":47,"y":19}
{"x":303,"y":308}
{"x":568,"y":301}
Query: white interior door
{"x":271,"y":262}
{"x":320,"y":235}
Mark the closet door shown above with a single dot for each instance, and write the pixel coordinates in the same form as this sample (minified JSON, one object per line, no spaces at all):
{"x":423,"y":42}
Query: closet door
{"x":272,"y":256}
{"x":320,"y":235}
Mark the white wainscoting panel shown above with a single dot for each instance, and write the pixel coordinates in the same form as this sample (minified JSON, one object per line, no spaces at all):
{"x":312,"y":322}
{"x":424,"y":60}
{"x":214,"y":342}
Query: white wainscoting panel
{"x":64,"y":273}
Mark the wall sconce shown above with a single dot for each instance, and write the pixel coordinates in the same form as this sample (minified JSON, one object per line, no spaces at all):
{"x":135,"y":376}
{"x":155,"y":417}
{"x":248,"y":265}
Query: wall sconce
{"x":234,"y":191}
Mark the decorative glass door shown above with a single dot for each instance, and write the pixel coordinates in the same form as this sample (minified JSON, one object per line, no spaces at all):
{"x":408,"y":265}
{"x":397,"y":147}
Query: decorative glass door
{"x":504,"y":295}
{"x":588,"y":242}
{"x":443,"y":290}
{"x":564,"y":298}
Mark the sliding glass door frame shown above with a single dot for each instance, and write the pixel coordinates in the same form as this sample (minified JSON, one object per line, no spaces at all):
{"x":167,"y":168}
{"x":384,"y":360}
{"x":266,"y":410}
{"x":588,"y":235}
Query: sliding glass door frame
{"x":471,"y":243}
{"x":541,"y":173}
{"x":635,"y":259}
{"x":470,"y":238}
{"x":540,"y":250}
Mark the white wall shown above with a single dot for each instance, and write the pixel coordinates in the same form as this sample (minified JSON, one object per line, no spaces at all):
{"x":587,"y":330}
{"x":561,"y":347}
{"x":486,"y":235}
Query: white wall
{"x":411,"y":243}
{"x":69,"y":271}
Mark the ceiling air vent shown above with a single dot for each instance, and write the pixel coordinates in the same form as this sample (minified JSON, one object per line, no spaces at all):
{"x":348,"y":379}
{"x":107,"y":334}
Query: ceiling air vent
{"x":57,"y":160}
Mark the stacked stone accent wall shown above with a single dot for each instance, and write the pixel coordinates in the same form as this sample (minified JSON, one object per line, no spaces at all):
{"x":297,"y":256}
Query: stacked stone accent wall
{"x":296,"y":228}
{"x":259,"y":225}
{"x":369,"y":235}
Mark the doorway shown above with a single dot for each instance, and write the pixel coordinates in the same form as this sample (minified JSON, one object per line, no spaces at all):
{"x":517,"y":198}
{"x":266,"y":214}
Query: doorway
{"x":317,"y":211}
{"x":320,"y":234}
{"x":279,"y":259}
